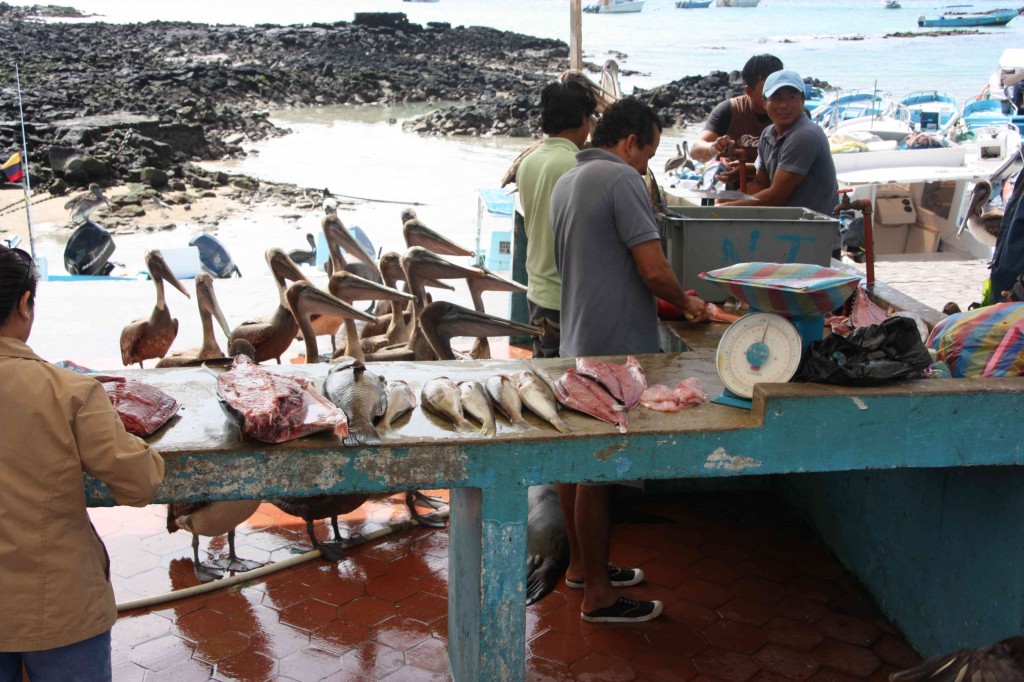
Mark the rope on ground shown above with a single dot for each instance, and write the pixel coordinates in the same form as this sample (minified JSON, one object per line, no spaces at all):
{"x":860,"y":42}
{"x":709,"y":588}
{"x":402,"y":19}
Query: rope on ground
{"x":379,"y":201}
{"x":15,"y":205}
{"x":268,"y":569}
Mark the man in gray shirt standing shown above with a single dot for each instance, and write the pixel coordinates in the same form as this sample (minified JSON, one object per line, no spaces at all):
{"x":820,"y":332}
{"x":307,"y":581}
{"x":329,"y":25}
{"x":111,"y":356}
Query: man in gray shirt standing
{"x":608,"y":253}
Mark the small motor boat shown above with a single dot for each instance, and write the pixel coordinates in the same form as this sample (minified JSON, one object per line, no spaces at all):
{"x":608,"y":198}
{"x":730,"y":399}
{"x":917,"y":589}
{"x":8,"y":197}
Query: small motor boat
{"x":88,"y":250}
{"x":215,"y":258}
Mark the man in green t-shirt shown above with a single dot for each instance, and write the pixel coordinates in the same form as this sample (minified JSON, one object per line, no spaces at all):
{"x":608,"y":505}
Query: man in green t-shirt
{"x":566,"y":110}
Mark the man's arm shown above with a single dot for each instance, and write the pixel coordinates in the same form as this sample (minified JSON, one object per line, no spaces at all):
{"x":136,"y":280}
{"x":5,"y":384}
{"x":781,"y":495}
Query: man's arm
{"x":661,"y":281}
{"x":776,"y":193}
{"x":703,"y":148}
{"x":712,"y":140}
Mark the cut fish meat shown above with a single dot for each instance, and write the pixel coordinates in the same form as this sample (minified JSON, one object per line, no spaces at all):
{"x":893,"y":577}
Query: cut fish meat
{"x":274,"y":408}
{"x":583,"y":394}
{"x":661,"y":398}
{"x":142,"y":408}
{"x":626,"y":383}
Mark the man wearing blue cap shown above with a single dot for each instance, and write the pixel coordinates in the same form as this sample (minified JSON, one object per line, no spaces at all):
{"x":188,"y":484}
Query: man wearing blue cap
{"x":794,"y":164}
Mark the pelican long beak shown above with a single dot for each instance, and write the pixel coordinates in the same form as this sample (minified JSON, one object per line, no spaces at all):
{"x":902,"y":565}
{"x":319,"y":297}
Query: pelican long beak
{"x":208,"y":301}
{"x":494,"y":282}
{"x":338,"y":236}
{"x":349,"y":287}
{"x":283,"y":267}
{"x":305,"y":299}
{"x":158,"y":269}
{"x":418,"y":234}
{"x":419,"y":263}
{"x":442,"y":321}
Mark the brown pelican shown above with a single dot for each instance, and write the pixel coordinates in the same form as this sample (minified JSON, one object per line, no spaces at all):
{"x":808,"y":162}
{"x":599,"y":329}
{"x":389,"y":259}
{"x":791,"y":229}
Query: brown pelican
{"x":349,"y":287}
{"x":304,"y":299}
{"x":396,"y":329}
{"x":307,"y":256}
{"x":271,"y":336}
{"x":983,"y":225}
{"x":441,"y":321}
{"x":152,"y":338}
{"x":418,"y":234}
{"x":82,"y":206}
{"x":477,"y":285}
{"x":309,"y":509}
{"x":681,"y":159}
{"x":209,"y":310}
{"x":338,"y":240}
{"x":211,"y":519}
{"x":420,"y":265}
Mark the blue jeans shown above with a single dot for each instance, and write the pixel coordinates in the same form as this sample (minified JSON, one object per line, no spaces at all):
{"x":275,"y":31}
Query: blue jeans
{"x":85,"y":661}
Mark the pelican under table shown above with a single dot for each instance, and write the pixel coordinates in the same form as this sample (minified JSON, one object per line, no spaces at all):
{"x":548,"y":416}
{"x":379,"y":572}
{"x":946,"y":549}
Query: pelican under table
{"x":915,"y":486}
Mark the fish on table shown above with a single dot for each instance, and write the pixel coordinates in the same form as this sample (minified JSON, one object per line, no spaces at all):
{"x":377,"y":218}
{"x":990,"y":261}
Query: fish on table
{"x":441,"y":397}
{"x":625,"y":382}
{"x":585,"y":395}
{"x":505,"y":397}
{"x":477,"y":404}
{"x":538,"y":398}
{"x":401,"y":399}
{"x":362,"y":395}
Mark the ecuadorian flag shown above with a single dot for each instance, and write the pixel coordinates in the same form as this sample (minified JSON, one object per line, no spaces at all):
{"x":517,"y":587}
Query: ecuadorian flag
{"x":12,"y":168}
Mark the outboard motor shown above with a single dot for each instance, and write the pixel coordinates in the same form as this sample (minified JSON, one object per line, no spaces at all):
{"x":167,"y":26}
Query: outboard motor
{"x":214,"y":256}
{"x":88,"y":251}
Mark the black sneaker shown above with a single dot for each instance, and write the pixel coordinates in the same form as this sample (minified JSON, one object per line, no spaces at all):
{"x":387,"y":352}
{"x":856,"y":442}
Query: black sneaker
{"x":619,"y":577}
{"x":625,"y":610}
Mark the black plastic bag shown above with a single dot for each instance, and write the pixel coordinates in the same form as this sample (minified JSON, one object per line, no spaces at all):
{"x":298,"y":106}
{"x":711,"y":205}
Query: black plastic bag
{"x":869,"y":355}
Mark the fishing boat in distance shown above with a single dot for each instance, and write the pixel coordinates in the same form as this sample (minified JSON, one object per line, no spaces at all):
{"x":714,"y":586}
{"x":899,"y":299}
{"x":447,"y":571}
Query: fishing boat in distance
{"x":737,"y":3}
{"x":615,"y":7}
{"x":693,"y":4}
{"x":994,"y":17}
{"x":891,"y":4}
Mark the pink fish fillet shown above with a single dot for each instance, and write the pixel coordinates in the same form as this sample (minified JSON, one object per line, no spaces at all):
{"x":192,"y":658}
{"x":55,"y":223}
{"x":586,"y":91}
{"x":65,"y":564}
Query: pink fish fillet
{"x":602,"y":372}
{"x":585,"y":395}
{"x":661,"y":398}
{"x":633,"y":381}
{"x":626,"y":383}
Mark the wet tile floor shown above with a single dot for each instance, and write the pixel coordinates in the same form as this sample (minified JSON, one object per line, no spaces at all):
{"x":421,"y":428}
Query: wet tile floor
{"x":750,"y":594}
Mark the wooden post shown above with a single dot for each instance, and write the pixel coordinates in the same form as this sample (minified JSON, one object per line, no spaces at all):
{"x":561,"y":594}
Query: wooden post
{"x":576,"y":35}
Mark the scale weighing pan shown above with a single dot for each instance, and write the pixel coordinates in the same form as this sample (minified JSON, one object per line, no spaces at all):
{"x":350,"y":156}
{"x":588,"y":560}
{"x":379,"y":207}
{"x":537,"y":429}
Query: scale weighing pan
{"x":788,"y":303}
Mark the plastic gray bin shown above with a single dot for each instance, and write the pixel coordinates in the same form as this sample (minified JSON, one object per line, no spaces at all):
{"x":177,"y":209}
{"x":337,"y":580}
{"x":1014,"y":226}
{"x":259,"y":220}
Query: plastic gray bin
{"x":701,"y":238}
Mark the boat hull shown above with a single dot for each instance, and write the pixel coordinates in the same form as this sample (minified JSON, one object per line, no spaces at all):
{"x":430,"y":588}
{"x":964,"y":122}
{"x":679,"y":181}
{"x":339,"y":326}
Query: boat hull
{"x":693,"y":4}
{"x":967,"y":20}
{"x":737,"y":3}
{"x":620,"y":8}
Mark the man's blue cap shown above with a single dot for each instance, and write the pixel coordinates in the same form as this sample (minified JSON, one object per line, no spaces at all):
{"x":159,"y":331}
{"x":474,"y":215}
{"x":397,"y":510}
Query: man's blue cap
{"x":786,"y":78}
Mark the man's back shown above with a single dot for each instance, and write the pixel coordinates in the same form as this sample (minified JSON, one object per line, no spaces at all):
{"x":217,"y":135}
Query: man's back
{"x":599,"y":211}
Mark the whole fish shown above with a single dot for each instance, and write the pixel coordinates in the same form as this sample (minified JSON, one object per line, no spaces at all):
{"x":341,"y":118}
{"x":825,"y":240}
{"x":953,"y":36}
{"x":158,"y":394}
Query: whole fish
{"x":506,"y":400}
{"x":401,"y":399}
{"x":536,"y":395}
{"x":476,"y":404}
{"x":441,"y":396}
{"x":585,"y":395}
{"x":360,"y":393}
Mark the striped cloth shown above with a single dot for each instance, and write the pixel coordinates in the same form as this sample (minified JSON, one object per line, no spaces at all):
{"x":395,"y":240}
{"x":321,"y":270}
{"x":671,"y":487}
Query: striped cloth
{"x":987,"y":342}
{"x":792,"y":289}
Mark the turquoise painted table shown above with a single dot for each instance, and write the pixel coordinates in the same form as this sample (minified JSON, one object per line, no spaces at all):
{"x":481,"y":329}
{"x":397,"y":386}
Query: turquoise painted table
{"x":792,"y":428}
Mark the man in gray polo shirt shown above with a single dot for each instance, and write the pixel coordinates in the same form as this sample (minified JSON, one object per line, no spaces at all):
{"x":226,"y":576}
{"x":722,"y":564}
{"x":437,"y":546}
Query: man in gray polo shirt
{"x":794,"y":163}
{"x":608,"y":253}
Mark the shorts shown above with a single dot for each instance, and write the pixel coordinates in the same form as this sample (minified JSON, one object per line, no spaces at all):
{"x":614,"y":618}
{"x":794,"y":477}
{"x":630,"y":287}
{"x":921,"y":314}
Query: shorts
{"x":545,"y":346}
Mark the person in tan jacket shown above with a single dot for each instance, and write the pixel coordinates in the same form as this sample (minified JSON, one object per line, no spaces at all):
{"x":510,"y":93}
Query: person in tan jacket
{"x":58,"y":603}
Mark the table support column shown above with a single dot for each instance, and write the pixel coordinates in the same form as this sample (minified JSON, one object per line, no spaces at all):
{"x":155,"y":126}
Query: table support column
{"x":487,"y":583}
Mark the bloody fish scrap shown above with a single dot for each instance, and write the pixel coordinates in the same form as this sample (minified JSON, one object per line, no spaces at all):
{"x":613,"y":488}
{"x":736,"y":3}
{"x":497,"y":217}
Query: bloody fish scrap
{"x":142,"y":408}
{"x":274,"y":408}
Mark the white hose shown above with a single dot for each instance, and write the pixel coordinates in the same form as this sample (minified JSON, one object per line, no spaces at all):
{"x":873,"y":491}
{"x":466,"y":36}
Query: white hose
{"x":248,"y":576}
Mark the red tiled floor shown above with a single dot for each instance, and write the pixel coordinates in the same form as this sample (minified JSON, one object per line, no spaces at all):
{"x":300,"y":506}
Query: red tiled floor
{"x":750,"y":594}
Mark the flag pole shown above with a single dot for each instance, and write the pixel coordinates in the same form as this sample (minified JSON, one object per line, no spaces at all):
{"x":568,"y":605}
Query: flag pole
{"x":26,"y":184}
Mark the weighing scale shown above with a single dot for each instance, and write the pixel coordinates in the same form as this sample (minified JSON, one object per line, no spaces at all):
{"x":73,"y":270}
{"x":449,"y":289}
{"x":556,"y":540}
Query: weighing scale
{"x":788,"y":304}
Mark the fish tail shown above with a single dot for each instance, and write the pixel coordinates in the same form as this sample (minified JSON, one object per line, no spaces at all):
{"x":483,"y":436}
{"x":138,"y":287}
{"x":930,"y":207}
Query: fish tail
{"x":362,"y":434}
{"x":521,"y":424}
{"x":560,"y":424}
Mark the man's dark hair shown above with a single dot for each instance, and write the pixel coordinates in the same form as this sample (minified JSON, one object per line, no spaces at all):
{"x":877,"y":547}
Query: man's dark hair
{"x":564,"y":106}
{"x":624,"y":118}
{"x":760,"y":66}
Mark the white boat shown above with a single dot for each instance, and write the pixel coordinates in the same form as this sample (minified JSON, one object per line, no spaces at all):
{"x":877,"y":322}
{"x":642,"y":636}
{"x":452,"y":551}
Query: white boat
{"x":615,"y":7}
{"x":921,"y":198}
{"x":855,"y":112}
{"x":736,"y":3}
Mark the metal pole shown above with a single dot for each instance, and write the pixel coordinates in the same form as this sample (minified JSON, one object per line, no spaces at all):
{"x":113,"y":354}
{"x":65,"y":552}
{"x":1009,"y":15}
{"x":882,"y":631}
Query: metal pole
{"x":26,"y":184}
{"x":576,"y":34}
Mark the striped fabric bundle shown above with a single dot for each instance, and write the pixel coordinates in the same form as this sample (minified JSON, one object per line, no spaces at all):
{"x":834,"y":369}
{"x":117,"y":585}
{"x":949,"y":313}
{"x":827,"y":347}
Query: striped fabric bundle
{"x":792,"y":289}
{"x":986,"y":342}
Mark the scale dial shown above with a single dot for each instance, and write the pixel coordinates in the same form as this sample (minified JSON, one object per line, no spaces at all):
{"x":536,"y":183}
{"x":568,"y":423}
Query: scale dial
{"x":758,"y":348}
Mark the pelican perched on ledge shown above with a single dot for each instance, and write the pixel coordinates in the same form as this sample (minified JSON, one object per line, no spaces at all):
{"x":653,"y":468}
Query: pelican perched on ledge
{"x":152,"y":338}
{"x":983,"y":225}
{"x":209,"y":310}
{"x":304,"y":299}
{"x":339,"y":240}
{"x":271,"y":336}
{"x":349,"y":288}
{"x":441,"y":321}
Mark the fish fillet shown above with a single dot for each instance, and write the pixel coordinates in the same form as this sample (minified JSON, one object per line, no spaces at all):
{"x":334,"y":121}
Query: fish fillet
{"x":583,"y":394}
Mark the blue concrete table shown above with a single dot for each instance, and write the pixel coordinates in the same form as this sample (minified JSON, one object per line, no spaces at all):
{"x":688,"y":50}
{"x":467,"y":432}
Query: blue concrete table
{"x":793,"y":428}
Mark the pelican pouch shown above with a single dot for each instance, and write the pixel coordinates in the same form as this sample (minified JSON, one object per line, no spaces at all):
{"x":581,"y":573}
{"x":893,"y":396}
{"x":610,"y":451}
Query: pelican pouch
{"x":869,"y":355}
